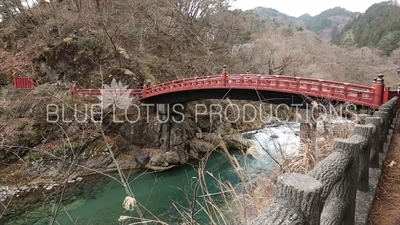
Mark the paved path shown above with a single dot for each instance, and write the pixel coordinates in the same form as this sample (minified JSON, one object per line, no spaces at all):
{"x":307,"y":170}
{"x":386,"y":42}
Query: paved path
{"x":386,"y":208}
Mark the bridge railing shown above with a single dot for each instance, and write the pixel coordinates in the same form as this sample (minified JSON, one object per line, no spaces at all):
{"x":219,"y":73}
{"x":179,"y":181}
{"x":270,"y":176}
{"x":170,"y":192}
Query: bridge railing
{"x":96,"y":92}
{"x":359,"y":94}
{"x":327,"y":194}
{"x":23,"y":82}
{"x":184,"y":84}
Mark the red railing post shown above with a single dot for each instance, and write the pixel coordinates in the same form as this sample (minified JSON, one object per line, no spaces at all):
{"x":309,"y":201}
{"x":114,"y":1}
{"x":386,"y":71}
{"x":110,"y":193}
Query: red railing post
{"x":398,"y":89}
{"x":379,"y":89}
{"x":32,"y":85}
{"x":386,"y":94}
{"x":224,"y":75}
{"x":144,"y":89}
{"x":15,"y":81}
{"x":74,"y":89}
{"x":319,"y":86}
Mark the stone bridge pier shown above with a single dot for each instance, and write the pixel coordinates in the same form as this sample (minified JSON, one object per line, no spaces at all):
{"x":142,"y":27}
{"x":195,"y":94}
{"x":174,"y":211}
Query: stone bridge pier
{"x":308,"y":126}
{"x":171,"y":118}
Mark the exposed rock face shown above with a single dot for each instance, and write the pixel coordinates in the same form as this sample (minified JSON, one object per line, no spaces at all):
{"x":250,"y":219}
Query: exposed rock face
{"x":134,"y":145}
{"x":140,"y":133}
{"x":198,"y":134}
{"x":178,"y":135}
{"x":66,"y":61}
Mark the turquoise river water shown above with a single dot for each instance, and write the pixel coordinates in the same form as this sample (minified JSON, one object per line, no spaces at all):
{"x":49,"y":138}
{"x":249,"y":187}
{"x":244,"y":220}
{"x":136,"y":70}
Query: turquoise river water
{"x":98,"y":200}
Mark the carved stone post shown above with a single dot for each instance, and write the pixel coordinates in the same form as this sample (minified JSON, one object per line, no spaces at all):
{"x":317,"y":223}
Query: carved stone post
{"x":390,"y":114}
{"x":365,"y":133}
{"x":297,"y":201}
{"x":304,"y":192}
{"x":375,"y":144}
{"x":384,"y":128}
{"x":345,"y":190}
{"x":336,"y":173}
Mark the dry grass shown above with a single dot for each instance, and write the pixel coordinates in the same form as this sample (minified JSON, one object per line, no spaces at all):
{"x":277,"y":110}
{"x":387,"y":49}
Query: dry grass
{"x":244,"y":204}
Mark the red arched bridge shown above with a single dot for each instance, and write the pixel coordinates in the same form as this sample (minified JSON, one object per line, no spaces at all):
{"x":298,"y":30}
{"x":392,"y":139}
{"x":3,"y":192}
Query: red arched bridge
{"x":269,"y":88}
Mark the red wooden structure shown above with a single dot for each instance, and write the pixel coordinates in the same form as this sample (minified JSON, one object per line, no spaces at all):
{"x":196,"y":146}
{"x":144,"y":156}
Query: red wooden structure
{"x":358,"y":94}
{"x":94,"y":92}
{"x":24,"y":82}
{"x":371,"y":96}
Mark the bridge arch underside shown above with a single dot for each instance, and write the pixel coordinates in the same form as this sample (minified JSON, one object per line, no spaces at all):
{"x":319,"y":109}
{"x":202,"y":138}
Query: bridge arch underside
{"x":272,"y":97}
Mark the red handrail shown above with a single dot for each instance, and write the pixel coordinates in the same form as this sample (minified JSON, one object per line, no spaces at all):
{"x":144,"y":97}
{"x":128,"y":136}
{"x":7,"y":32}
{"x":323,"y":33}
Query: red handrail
{"x":96,"y":92}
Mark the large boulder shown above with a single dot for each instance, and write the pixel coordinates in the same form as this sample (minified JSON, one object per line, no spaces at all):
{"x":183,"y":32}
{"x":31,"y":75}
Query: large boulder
{"x":236,"y":141}
{"x":158,"y":160}
{"x":172,"y":157}
{"x":202,"y":146}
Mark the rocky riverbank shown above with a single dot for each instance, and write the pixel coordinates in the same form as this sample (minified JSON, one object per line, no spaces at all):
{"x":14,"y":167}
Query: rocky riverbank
{"x":7,"y":192}
{"x":37,"y":155}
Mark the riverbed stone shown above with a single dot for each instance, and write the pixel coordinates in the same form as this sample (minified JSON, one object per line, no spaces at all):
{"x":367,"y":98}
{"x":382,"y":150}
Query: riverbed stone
{"x":212,"y":138}
{"x":225,"y":129}
{"x":142,"y":157}
{"x":181,"y":150}
{"x":236,"y":141}
{"x":158,"y":160}
{"x":172,"y":157}
{"x":24,"y":188}
{"x":202,"y":146}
